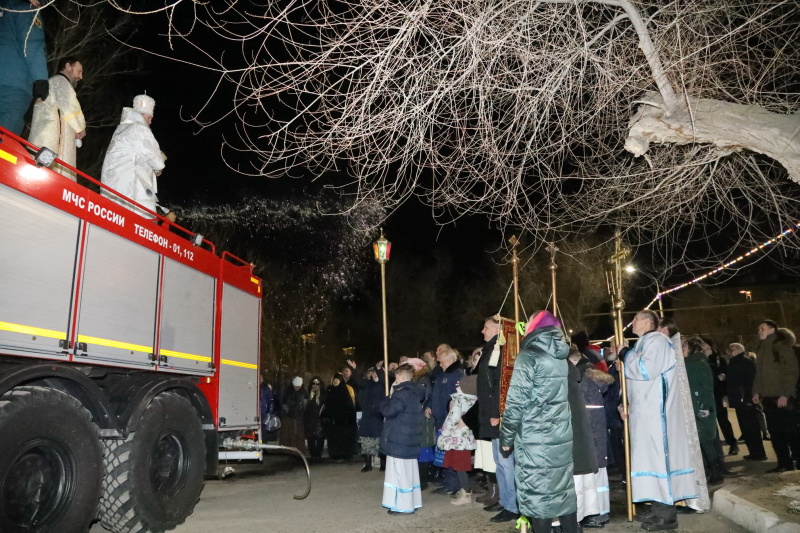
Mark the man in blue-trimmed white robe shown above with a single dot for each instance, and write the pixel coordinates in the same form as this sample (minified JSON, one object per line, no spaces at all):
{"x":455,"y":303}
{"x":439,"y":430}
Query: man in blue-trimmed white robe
{"x":662,"y":470}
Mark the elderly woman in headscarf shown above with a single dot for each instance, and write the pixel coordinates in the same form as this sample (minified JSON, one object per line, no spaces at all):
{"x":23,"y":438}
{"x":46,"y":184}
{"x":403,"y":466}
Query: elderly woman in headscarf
{"x":339,"y":419}
{"x":537,"y":426}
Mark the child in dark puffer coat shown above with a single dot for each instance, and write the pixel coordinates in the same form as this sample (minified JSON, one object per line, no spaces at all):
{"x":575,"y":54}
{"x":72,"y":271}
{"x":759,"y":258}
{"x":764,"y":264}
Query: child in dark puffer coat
{"x":400,"y":440}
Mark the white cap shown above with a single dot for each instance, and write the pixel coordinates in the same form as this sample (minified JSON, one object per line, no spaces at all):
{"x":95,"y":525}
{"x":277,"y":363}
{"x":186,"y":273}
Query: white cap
{"x":144,"y":104}
{"x":298,"y":381}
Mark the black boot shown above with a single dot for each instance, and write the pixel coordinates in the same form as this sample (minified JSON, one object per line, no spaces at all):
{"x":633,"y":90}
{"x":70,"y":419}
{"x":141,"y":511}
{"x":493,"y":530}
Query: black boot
{"x":715,"y":476}
{"x":367,"y":463}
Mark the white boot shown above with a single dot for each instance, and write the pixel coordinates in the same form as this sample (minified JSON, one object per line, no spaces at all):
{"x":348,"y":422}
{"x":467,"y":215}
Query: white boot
{"x":462,"y":498}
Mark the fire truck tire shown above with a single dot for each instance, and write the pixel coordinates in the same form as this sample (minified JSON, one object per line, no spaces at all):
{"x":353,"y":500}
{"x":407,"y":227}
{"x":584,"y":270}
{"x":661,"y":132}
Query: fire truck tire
{"x":154,"y":478}
{"x":51,"y":462}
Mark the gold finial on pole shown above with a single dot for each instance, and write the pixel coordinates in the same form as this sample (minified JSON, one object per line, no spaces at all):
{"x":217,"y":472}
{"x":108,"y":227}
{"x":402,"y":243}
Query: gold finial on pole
{"x":515,"y":266}
{"x":614,"y":285}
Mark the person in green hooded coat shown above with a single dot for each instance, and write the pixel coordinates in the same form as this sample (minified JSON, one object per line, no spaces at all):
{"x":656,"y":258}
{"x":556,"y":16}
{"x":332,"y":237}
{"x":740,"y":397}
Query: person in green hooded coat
{"x":536,"y":425}
{"x":701,"y":385}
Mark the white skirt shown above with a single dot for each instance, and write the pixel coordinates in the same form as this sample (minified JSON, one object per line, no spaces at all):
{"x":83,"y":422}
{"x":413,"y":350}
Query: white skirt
{"x":603,"y":493}
{"x":484,"y":459}
{"x":401,"y":491}
{"x":586,"y":491}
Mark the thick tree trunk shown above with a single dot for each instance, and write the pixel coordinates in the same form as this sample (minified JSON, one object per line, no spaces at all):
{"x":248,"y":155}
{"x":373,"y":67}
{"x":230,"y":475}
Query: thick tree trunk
{"x":730,"y":127}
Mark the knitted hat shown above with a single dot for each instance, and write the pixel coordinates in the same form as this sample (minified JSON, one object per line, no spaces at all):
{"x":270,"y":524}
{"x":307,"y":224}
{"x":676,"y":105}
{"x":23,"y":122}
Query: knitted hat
{"x":144,"y":104}
{"x":469,"y":385}
{"x":543,"y":319}
{"x":416,"y":364}
{"x":297,"y":382}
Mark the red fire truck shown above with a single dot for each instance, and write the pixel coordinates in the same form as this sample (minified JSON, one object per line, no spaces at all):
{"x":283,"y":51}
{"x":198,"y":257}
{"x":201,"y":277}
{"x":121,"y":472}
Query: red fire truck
{"x":129,"y":350}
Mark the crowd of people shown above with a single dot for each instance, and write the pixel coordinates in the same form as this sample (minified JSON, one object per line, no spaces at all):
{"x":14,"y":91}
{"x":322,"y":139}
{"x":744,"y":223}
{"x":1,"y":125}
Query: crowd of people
{"x":545,"y":450}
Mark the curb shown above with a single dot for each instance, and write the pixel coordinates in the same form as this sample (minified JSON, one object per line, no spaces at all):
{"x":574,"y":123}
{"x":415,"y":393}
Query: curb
{"x":749,"y":515}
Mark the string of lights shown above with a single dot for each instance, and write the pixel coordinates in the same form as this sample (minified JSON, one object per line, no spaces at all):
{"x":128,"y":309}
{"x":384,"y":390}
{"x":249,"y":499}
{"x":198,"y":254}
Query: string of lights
{"x":719,"y":269}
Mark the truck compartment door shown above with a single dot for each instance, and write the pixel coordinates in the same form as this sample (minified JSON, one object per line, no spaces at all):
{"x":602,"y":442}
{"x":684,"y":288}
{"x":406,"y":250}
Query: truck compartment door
{"x":239,"y":346}
{"x":117,"y":315}
{"x":187,"y":320}
{"x":38,"y":245}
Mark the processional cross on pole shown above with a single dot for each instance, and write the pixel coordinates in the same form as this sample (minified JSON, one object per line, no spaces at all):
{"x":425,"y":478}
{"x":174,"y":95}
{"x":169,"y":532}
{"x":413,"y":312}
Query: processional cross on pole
{"x":614,"y":285}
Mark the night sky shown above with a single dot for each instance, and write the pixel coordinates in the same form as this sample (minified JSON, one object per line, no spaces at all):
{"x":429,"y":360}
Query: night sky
{"x":196,"y":174}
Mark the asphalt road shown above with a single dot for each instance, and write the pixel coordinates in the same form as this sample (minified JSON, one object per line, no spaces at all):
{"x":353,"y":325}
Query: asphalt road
{"x":259,"y":499}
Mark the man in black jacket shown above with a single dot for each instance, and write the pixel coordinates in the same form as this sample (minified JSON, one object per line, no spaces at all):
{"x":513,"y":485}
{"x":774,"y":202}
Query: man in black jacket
{"x":740,"y":376}
{"x":719,"y":367}
{"x":489,"y":369}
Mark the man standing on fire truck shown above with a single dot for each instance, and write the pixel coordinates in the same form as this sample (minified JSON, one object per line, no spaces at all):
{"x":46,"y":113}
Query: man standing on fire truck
{"x":134,"y":159}
{"x":58,"y":121}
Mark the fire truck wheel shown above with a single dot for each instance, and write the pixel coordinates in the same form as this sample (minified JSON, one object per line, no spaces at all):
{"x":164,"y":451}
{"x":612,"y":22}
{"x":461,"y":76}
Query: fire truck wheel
{"x":51,"y":462}
{"x":154,"y":477}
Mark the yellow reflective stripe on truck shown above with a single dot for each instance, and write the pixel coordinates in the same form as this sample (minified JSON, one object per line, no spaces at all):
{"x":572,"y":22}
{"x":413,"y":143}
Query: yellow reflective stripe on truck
{"x":115,"y":344}
{"x":40,"y":332}
{"x":182,"y":355}
{"x":8,"y":157}
{"x":29,"y":330}
{"x":237,"y":363}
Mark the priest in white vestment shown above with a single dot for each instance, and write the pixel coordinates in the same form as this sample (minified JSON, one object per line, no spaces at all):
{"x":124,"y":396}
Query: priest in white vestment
{"x":662,"y":470}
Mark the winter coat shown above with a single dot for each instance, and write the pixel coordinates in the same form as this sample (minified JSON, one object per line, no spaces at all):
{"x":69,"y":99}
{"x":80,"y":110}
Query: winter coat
{"x":22,"y":50}
{"x":402,"y":426}
{"x":132,"y":159}
{"x":265,"y":400}
{"x":338,"y":407}
{"x":422,"y":378}
{"x":370,"y":396}
{"x":22,"y":54}
{"x":776,"y":366}
{"x":488,"y":392}
{"x":339,"y":421}
{"x":740,"y":376}
{"x":56,"y":120}
{"x":293,"y":403}
{"x":593,"y":384}
{"x":537,"y":425}
{"x":454,"y":437}
{"x":584,"y":454}
{"x":718,"y":366}
{"x":611,"y":400}
{"x":444,"y":387}
{"x":701,"y":380}
{"x":312,"y":420}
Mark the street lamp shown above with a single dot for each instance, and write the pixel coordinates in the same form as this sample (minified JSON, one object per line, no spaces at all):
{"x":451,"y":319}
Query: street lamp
{"x":631,"y":269}
{"x":382,"y":249}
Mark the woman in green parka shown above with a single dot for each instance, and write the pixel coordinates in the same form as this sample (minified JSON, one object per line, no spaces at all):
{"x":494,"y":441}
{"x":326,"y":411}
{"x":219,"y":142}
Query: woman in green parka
{"x":536,"y":425}
{"x":701,"y":385}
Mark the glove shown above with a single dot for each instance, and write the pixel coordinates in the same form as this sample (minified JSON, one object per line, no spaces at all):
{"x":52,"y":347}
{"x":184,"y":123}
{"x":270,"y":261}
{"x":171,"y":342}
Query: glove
{"x":41,"y":89}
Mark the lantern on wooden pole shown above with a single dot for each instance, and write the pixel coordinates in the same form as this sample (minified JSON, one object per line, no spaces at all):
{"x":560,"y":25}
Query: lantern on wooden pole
{"x":383,"y":248}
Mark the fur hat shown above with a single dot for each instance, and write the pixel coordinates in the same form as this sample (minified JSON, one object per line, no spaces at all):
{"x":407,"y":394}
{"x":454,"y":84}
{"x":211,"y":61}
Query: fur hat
{"x":144,"y":104}
{"x":469,"y":385}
